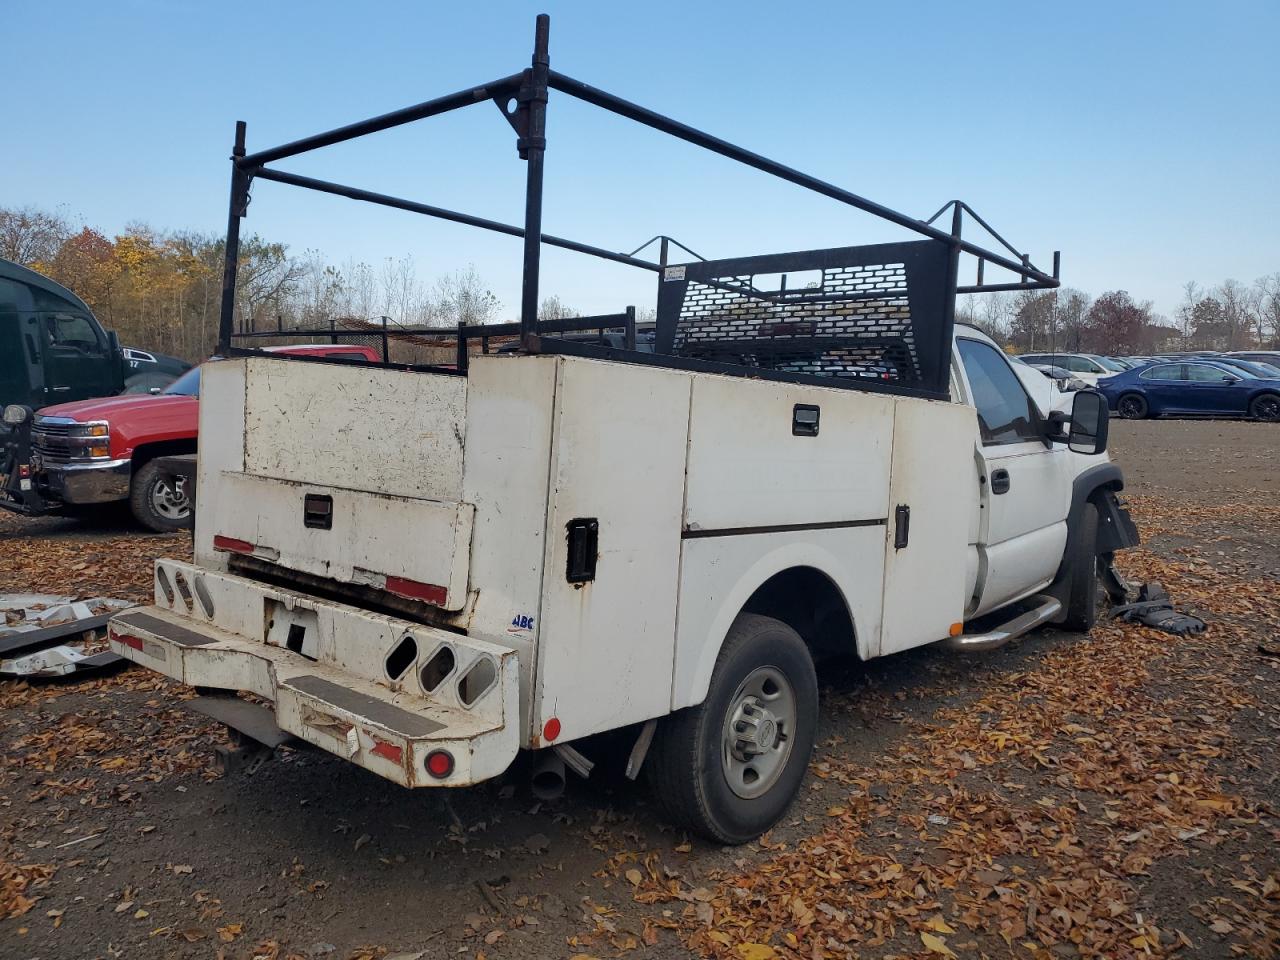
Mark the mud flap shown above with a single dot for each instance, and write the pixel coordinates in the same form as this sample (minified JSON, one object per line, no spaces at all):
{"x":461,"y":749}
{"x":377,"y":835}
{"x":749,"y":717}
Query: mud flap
{"x":1116,"y":529}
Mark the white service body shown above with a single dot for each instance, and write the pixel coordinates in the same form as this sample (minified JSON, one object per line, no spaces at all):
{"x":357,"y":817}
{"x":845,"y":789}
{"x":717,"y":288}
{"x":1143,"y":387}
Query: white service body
{"x":452,"y":494}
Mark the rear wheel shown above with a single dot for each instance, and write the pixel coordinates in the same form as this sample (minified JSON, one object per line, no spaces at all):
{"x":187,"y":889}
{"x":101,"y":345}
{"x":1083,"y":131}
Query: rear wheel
{"x":1132,"y":406}
{"x":729,"y":767}
{"x":1084,"y":597}
{"x":1266,"y":407}
{"x":158,"y":500}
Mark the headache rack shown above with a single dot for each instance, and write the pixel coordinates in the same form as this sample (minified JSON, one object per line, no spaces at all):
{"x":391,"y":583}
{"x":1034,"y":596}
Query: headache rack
{"x":873,"y":317}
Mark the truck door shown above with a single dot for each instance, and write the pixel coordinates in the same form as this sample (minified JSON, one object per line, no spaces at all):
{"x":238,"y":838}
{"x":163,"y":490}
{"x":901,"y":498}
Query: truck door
{"x":77,"y":362}
{"x":1024,"y":488}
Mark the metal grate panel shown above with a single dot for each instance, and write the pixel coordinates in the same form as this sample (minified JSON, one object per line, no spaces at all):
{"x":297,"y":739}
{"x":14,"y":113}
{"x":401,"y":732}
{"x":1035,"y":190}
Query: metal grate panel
{"x":863,"y":312}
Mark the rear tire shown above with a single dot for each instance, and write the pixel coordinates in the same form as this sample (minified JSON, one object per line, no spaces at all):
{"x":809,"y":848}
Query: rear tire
{"x":155,"y":503}
{"x":1266,"y":408}
{"x":728,"y":768}
{"x":1132,"y":406}
{"x":1083,"y":596}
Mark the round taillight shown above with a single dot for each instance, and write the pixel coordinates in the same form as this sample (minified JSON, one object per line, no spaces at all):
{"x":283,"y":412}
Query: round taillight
{"x":439,"y":763}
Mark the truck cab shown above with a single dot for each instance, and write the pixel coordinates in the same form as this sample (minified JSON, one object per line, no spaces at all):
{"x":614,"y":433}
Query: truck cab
{"x":52,"y":348}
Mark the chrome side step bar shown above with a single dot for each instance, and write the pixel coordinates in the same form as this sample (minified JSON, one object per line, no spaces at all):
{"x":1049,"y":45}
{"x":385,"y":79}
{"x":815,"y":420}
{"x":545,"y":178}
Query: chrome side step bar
{"x":1045,"y":610}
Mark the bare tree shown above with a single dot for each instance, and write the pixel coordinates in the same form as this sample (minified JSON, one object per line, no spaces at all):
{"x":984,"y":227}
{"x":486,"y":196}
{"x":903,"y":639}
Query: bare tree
{"x":992,"y":314}
{"x":1233,"y":295}
{"x":1266,"y":293}
{"x":402,"y":298}
{"x":1032,"y":325}
{"x":29,"y":235}
{"x":1186,"y":313}
{"x":462,"y":297}
{"x":1070,"y":308}
{"x":553,"y":308}
{"x":265,"y":278}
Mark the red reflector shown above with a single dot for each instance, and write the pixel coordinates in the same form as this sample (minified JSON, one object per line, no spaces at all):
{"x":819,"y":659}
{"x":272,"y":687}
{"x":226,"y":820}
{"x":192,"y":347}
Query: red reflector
{"x":551,"y":729}
{"x":24,"y":471}
{"x":127,"y":640}
{"x":417,"y":591}
{"x":439,"y":763}
{"x":231,"y":544}
{"x":388,"y":750}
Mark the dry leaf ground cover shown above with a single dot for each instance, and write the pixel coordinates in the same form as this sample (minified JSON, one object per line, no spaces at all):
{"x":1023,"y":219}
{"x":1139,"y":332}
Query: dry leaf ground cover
{"x":1108,"y":796}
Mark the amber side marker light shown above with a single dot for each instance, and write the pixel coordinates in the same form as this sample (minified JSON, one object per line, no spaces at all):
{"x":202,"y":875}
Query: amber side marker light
{"x":957,"y":629}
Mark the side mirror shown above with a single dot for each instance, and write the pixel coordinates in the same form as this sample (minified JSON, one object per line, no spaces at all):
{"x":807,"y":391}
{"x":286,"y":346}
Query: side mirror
{"x":1055,"y":426}
{"x":1228,"y":378}
{"x":1090,"y":420}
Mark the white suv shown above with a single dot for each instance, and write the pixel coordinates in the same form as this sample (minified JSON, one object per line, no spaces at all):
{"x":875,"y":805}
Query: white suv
{"x":1089,"y":367}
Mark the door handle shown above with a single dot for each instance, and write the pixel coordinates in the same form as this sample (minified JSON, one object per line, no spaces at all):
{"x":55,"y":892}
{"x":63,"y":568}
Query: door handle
{"x":1000,"y":480}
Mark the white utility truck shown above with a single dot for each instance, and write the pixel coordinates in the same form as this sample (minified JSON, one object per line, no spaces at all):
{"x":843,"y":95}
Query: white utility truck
{"x":425,"y":571}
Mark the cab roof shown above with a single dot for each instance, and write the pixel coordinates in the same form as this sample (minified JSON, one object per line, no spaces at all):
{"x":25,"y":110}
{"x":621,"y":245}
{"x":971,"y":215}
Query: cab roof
{"x":20,"y":274}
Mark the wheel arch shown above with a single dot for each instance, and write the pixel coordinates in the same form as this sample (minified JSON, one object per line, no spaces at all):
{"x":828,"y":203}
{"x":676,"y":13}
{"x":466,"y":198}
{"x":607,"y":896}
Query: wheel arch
{"x":1258,"y":394}
{"x":143,"y":453}
{"x":1134,"y":391}
{"x":781,"y":583}
{"x":1087,"y":486}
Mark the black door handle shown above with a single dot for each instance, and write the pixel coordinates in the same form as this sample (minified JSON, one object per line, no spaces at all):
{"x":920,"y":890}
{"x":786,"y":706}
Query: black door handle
{"x":1000,"y":481}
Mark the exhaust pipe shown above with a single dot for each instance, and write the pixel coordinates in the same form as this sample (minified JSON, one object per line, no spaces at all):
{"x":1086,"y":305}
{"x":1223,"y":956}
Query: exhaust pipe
{"x":548,"y":776}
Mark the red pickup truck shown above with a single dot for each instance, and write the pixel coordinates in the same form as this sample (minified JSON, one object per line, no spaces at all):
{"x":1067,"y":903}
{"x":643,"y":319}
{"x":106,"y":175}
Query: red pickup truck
{"x":100,"y":451}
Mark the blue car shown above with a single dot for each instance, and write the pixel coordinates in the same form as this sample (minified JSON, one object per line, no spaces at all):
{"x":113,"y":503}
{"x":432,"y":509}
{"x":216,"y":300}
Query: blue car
{"x":1193,"y":386}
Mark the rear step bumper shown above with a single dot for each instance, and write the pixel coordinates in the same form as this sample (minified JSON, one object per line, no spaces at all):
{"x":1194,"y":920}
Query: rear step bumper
{"x":387,"y":731}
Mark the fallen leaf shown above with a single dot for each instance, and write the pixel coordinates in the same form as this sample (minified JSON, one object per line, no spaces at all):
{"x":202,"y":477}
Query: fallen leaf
{"x":936,"y":945}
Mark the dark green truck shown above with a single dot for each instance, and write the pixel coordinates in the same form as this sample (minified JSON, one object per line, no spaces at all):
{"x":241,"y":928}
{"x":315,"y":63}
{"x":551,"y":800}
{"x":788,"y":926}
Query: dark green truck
{"x":52,"y":348}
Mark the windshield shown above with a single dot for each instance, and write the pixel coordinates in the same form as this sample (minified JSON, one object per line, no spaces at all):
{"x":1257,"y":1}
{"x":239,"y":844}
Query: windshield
{"x":187,"y":385}
{"x":1108,"y":364}
{"x":1266,"y":371}
{"x":1245,"y":370}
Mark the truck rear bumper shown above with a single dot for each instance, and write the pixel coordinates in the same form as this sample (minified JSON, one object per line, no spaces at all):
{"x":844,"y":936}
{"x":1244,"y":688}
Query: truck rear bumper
{"x":385,"y":727}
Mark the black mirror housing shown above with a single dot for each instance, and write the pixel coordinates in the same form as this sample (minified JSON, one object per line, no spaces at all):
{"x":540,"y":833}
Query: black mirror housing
{"x":1090,"y":423}
{"x":1056,"y":426}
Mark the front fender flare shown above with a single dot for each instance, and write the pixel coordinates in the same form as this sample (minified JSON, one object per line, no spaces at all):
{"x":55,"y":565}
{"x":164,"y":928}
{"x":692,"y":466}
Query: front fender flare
{"x":1086,"y":486}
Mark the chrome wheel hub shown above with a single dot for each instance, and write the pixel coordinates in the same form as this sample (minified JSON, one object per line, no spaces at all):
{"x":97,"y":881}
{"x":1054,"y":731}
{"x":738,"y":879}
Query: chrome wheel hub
{"x":170,"y":500}
{"x":757,"y":732}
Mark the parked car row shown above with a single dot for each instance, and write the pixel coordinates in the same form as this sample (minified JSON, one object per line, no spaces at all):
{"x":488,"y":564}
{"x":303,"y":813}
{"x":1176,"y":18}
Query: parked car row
{"x":1236,"y":384}
{"x":105,"y":450}
{"x":1219,"y":386}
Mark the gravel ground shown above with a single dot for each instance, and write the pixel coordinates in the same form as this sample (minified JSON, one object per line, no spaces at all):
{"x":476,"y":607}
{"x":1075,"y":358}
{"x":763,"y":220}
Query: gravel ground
{"x":1110,"y":795}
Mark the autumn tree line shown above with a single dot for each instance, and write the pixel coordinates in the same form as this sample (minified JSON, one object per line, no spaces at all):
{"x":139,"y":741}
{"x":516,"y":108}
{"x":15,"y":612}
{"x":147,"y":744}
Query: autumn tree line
{"x":162,"y":291}
{"x":1230,"y":316}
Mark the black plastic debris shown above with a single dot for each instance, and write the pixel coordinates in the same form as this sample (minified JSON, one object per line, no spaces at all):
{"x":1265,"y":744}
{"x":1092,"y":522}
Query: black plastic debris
{"x":1153,"y":608}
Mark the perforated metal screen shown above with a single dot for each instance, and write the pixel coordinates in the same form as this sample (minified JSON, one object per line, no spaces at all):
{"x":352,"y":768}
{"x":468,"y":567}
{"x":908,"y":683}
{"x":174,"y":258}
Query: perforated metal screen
{"x":867,"y":313}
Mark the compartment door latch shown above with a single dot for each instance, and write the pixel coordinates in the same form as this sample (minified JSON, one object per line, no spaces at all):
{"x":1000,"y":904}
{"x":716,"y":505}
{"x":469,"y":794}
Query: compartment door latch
{"x":901,"y":526}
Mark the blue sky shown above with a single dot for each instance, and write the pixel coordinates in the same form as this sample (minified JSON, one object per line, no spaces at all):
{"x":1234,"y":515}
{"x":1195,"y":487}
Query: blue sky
{"x":1140,"y":139}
